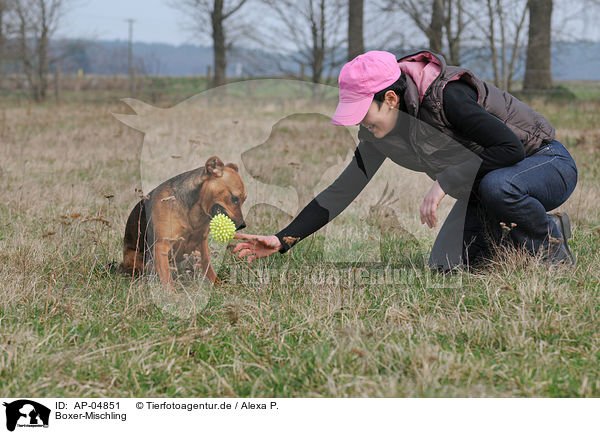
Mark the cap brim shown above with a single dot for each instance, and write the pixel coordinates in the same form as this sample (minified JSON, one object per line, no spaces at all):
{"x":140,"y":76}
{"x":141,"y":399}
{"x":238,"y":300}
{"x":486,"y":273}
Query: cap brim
{"x":351,"y":112}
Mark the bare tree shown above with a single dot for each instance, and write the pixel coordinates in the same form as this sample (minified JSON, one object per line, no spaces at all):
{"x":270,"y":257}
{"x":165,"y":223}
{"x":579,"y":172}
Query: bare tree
{"x":499,"y":17}
{"x":427,"y":16}
{"x":538,"y":73}
{"x":311,"y":29}
{"x":385,"y":28}
{"x":34,"y":22}
{"x":454,"y":25}
{"x":356,"y":43}
{"x":436,"y":19}
{"x":502,"y":29}
{"x":435,"y":30}
{"x":213,"y":17}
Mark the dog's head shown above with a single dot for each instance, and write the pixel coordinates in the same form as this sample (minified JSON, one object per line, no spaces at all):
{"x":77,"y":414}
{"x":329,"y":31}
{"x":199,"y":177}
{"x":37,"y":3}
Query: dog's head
{"x":223,"y":191}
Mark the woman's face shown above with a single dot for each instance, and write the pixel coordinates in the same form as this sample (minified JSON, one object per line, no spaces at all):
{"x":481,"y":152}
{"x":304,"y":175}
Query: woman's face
{"x":380,"y":120}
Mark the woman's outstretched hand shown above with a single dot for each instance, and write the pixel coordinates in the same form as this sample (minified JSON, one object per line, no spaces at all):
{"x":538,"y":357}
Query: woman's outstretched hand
{"x":256,"y":246}
{"x":430,"y":204}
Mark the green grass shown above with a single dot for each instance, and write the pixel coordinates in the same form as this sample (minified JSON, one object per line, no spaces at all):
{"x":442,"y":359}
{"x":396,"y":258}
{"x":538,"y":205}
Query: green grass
{"x":282,"y":326}
{"x":534,"y":335}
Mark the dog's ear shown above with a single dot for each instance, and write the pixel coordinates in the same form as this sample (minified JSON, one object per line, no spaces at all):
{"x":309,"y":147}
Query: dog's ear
{"x":214,"y":167}
{"x":233,"y":166}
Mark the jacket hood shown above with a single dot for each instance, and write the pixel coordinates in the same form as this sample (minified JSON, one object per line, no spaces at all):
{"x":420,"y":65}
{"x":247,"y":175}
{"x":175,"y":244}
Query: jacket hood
{"x":423,"y":67}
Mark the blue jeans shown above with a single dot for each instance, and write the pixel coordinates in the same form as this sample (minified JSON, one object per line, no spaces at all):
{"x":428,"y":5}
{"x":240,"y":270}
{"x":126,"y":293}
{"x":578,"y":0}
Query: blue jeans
{"x":517,"y":197}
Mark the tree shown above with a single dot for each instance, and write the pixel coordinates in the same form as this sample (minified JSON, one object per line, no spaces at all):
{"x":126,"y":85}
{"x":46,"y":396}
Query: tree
{"x":311,"y":30}
{"x":435,"y":19}
{"x":538,"y":73}
{"x":34,"y":22}
{"x":213,"y":17}
{"x":500,"y":32}
{"x":356,"y":44}
{"x":454,"y":25}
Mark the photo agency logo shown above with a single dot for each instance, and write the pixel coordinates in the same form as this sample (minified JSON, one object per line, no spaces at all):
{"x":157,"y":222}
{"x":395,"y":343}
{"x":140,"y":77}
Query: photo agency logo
{"x":347,"y":275}
{"x":25,"y":413}
{"x":277,"y":136}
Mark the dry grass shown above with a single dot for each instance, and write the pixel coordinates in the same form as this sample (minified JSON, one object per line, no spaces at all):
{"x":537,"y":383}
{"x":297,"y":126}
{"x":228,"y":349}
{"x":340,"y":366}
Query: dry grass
{"x":290,"y":325}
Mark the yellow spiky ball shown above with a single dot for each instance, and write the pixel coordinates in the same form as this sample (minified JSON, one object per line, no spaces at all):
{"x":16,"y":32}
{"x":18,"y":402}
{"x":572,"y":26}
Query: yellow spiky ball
{"x":222,"y":228}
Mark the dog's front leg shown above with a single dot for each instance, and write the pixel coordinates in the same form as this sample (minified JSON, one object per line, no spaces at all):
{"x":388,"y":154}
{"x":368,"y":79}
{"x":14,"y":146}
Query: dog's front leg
{"x":205,"y":265}
{"x":161,"y":262}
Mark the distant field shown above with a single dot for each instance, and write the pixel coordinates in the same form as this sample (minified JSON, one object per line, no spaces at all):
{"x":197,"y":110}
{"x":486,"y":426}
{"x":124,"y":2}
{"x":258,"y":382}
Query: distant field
{"x":289,"y":325}
{"x":100,"y":89}
{"x":166,"y":91}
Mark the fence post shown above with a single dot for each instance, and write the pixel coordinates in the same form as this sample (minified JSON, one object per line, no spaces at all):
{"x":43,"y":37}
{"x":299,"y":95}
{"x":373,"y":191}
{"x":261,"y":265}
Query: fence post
{"x":208,"y":77}
{"x":57,"y":84}
{"x":208,"y":82}
{"x":302,"y":80}
{"x":79,"y":79}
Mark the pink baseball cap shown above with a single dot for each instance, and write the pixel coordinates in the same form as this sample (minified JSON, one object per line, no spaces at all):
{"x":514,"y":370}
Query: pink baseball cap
{"x":359,"y":80}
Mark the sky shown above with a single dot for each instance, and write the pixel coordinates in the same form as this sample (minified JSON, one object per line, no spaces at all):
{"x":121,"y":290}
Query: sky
{"x":155,"y":21}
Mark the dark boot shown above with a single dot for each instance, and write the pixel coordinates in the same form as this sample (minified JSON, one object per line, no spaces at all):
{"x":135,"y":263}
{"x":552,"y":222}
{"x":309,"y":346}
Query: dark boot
{"x":563,"y":253}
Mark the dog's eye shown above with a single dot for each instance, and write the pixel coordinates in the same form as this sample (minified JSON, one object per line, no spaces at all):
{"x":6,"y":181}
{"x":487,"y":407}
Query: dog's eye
{"x":235,"y":199}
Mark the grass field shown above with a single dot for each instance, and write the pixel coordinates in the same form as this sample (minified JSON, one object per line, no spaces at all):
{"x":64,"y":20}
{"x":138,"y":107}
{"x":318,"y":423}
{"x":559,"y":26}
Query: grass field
{"x":69,"y":326}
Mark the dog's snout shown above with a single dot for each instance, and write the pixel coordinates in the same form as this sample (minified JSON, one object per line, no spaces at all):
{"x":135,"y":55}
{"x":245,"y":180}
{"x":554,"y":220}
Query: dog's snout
{"x":242,"y":225}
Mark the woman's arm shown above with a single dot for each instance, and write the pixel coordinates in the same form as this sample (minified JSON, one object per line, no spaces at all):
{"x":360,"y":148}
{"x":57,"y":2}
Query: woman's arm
{"x":321,"y":210}
{"x":502,"y":147}
{"x":334,"y":199}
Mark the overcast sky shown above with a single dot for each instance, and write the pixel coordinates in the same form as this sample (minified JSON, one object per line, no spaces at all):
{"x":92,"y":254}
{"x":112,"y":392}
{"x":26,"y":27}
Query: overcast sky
{"x":105,"y":19}
{"x":157,"y":22}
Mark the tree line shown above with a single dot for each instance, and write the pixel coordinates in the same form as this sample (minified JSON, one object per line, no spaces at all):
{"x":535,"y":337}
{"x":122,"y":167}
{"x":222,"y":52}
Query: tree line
{"x":312,"y":29}
{"x":320,"y":35}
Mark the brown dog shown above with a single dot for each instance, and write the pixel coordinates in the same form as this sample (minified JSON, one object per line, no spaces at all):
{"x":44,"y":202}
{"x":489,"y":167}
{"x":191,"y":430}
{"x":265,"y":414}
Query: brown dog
{"x":173,"y":220}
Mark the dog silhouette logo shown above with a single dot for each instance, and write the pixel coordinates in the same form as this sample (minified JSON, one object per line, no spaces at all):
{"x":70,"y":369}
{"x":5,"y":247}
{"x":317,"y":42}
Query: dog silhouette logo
{"x":26,"y":413}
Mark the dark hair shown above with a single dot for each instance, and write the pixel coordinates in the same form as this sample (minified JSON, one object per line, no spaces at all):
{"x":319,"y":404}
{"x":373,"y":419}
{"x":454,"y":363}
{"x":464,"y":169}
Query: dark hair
{"x":399,"y":86}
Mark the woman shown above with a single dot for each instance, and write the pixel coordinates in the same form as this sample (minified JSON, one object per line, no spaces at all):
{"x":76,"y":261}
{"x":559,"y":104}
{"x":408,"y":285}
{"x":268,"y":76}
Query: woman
{"x":477,"y":143}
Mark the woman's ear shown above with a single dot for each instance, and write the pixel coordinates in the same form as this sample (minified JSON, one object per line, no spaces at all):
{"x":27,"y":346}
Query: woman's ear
{"x":391,"y":98}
